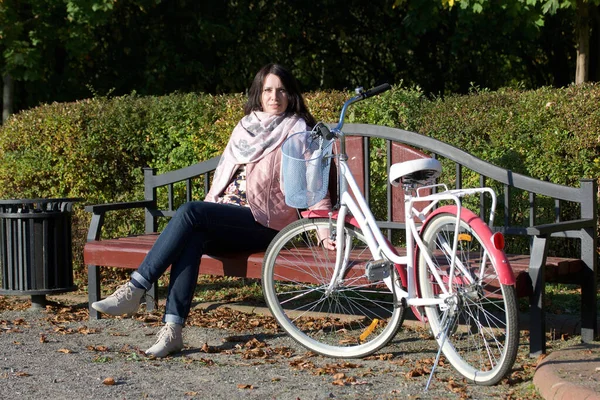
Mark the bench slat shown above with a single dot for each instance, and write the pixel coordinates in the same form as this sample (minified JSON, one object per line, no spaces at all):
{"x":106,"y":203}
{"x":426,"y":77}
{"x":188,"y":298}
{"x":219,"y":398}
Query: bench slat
{"x":129,"y":252}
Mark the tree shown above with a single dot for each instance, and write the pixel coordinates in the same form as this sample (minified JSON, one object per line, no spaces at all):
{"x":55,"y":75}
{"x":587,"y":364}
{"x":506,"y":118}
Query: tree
{"x":587,"y":20}
{"x":65,"y":50}
{"x":47,"y":41}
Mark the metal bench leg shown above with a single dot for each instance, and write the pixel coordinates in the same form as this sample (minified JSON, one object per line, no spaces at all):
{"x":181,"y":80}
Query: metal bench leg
{"x":589,"y":327}
{"x":537,"y":323}
{"x":152,"y":298}
{"x":93,"y":289}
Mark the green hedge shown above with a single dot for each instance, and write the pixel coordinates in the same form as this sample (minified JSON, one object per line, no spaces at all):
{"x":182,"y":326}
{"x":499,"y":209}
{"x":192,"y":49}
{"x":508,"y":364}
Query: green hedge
{"x":95,"y":148}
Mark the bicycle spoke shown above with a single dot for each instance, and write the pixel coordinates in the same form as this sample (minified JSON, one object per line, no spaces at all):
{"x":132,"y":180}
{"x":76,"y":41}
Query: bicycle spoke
{"x":346,"y":317}
{"x":482,"y":346}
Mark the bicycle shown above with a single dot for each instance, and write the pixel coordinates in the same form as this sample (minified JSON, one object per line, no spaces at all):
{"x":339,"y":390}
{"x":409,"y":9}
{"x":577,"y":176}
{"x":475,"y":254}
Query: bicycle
{"x":350,"y":302}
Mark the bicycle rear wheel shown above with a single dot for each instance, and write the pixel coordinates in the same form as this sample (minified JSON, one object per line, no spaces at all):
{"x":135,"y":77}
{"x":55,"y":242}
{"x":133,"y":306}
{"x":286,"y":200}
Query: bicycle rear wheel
{"x":355,"y":318}
{"x":477,"y":327}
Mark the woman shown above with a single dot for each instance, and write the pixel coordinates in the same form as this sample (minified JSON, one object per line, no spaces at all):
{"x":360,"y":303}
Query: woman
{"x":243,"y":210}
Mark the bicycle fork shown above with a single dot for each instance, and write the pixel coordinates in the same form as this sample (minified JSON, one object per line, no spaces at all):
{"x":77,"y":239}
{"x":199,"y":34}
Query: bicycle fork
{"x":343,"y":247}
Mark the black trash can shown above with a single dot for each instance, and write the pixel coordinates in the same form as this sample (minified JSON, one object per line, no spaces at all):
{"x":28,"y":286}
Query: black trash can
{"x":35,"y":248}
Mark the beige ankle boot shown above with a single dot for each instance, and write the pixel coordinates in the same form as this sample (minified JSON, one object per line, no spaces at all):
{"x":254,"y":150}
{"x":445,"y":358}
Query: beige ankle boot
{"x":169,"y":340}
{"x":125,"y":300}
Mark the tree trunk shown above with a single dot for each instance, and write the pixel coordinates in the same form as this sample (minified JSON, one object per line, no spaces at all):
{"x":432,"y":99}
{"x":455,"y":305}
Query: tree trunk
{"x":582,"y":32}
{"x":594,"y":74}
{"x":7,"y":98}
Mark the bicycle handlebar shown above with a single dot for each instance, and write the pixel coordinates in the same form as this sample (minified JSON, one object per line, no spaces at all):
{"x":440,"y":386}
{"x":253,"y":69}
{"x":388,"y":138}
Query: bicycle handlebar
{"x":323,"y":131}
{"x":377,"y":90}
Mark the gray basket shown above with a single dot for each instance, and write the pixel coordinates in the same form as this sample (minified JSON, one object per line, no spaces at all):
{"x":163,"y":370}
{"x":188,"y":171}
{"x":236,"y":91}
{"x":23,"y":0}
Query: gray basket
{"x":306,"y":161}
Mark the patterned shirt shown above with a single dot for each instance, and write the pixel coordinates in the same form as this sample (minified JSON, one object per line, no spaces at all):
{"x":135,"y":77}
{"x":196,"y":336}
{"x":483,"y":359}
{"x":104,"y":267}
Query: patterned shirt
{"x":235,"y":192}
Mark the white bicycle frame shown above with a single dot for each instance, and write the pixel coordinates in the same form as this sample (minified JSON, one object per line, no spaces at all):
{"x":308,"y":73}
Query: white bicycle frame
{"x":379,"y":247}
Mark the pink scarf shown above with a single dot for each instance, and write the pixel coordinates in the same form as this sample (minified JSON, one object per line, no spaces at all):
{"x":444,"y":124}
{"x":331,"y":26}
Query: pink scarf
{"x":255,"y":136}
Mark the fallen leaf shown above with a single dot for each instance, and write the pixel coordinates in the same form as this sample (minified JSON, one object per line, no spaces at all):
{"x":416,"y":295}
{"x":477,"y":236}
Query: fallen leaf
{"x":540,"y":358}
{"x":65,"y":351}
{"x":109,"y":381}
{"x":21,"y":373}
{"x":43,"y":338}
{"x":359,"y":382}
{"x":284,"y":351}
{"x":97,"y":348}
{"x":244,"y":386}
{"x":84,"y":330}
{"x":208,"y":349}
{"x":415,"y":372}
{"x":382,"y":357}
{"x":254,"y":344}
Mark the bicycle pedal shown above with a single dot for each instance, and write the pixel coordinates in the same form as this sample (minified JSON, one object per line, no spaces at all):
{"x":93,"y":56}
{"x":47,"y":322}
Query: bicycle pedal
{"x":378,"y":270}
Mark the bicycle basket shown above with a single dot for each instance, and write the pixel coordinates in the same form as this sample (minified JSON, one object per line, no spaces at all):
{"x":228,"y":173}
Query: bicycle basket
{"x":306,"y":161}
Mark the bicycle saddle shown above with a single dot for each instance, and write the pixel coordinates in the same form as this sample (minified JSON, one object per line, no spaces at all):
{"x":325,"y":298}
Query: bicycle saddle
{"x":421,"y":171}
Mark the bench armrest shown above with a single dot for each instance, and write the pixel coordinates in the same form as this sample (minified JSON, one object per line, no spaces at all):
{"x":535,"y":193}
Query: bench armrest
{"x":547,"y":229}
{"x":102,"y":208}
{"x":99,"y":210}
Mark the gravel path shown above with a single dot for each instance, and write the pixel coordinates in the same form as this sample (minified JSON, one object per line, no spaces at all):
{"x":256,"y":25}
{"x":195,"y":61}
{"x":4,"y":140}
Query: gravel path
{"x":58,"y":354}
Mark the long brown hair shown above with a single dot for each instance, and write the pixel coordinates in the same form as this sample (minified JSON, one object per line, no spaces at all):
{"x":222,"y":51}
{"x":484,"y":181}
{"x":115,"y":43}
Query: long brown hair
{"x":296,"y":103}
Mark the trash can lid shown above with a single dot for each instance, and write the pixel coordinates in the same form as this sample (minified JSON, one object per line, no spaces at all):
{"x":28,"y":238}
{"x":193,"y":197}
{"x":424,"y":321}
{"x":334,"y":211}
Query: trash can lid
{"x":40,"y":204}
{"x":40,"y":200}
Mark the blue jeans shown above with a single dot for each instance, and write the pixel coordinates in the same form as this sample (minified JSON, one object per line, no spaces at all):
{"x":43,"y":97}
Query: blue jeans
{"x":198,"y":228}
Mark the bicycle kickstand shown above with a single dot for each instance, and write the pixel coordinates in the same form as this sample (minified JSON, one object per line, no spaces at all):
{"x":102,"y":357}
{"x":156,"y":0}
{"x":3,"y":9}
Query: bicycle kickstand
{"x":446,"y":323}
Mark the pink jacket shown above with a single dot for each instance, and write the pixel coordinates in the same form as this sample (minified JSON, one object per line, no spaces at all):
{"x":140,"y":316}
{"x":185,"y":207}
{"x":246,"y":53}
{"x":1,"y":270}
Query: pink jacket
{"x":264,"y":191}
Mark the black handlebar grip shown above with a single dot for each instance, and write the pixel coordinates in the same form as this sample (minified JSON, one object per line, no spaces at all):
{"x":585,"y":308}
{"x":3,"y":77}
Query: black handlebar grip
{"x":325,"y":132}
{"x":377,"y":90}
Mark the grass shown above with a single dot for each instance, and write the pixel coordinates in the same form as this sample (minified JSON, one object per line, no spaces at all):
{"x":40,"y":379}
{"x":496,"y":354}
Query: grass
{"x":220,"y":289}
{"x":563,"y":299}
{"x":560,"y":298}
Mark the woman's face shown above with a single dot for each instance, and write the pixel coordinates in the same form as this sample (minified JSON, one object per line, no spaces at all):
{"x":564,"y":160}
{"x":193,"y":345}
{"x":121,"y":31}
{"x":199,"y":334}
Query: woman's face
{"x":274,"y":98}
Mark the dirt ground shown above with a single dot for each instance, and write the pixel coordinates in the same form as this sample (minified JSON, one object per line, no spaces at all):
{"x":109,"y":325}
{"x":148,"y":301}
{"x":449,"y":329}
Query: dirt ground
{"x":57,"y":353}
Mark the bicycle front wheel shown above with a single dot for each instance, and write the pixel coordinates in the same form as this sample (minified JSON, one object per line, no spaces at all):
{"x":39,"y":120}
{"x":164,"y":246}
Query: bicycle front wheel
{"x":477,"y":325}
{"x":354,"y":317}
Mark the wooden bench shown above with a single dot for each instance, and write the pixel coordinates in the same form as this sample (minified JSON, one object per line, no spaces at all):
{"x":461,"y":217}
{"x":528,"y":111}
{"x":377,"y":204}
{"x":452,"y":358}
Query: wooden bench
{"x":533,"y":270}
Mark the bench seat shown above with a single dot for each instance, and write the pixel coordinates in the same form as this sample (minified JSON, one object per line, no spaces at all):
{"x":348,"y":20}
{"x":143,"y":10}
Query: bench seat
{"x":129,"y":252}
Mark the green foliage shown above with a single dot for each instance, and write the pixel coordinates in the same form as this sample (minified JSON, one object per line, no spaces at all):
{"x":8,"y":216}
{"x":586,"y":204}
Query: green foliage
{"x":63,"y":50}
{"x":549,"y":134}
{"x":95,"y":149}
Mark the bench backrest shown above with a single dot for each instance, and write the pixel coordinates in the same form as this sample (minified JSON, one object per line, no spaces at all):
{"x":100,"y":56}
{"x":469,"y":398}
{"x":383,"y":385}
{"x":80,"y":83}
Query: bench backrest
{"x":359,"y":149}
{"x":404,"y":145}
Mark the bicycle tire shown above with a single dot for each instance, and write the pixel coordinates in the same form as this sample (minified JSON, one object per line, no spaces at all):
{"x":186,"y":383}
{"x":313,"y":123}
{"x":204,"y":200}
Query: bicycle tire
{"x":356,"y":319}
{"x":483,"y":341}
